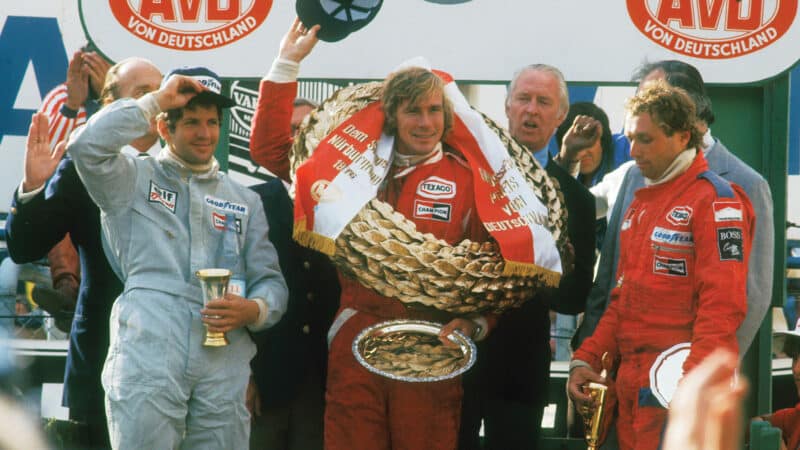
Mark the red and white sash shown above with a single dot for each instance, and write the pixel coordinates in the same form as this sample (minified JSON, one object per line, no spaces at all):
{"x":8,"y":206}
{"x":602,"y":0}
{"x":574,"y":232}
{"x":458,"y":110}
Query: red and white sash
{"x":347,"y":168}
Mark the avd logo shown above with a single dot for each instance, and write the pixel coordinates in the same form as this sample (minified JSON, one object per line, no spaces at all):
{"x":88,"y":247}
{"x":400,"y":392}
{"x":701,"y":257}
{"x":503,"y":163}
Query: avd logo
{"x":190,"y":24}
{"x":713,"y":29}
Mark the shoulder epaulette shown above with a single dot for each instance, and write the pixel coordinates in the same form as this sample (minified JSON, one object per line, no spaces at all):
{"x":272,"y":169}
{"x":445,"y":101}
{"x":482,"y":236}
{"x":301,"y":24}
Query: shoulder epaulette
{"x":721,"y":185}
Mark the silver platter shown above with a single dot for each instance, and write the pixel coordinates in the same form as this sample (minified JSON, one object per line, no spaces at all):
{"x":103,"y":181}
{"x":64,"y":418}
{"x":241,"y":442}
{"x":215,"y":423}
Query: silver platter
{"x":468,"y":351}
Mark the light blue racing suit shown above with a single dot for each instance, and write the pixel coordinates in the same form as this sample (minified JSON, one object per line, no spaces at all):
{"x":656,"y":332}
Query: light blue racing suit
{"x":161,"y":223}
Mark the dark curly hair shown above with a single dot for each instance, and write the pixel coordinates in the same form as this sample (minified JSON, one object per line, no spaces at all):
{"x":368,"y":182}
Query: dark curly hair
{"x":670,"y":107}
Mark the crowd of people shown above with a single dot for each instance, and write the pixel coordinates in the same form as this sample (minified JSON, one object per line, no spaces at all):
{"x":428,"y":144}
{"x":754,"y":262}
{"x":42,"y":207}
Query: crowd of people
{"x":682,"y":227}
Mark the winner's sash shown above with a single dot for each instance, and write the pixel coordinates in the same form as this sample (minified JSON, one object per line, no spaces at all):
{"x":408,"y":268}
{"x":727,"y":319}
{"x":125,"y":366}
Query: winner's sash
{"x":347,"y":168}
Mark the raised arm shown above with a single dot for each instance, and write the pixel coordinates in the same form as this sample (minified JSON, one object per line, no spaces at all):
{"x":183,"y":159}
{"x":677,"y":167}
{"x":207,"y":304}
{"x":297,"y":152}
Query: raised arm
{"x":271,"y":132}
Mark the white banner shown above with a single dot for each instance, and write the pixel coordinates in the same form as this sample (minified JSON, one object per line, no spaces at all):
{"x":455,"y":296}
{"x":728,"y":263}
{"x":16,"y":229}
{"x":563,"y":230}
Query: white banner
{"x":730,"y":41}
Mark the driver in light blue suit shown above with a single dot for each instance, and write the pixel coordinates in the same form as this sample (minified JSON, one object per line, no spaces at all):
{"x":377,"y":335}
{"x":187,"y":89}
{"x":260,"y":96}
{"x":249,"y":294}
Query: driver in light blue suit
{"x":160,"y":219}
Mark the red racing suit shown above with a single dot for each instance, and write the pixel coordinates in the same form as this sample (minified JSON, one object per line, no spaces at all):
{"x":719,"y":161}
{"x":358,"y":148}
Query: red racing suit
{"x":684,"y":246}
{"x":364,"y":410}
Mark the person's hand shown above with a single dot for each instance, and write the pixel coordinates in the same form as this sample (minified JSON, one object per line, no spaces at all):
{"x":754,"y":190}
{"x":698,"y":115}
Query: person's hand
{"x":252,"y":399}
{"x":298,"y":42}
{"x":40,"y":162}
{"x":467,"y":327}
{"x":96,"y":67}
{"x":77,"y":82}
{"x":706,"y":411}
{"x":229,"y":313}
{"x":581,"y":136}
{"x":578,"y":378}
{"x":177,"y":92}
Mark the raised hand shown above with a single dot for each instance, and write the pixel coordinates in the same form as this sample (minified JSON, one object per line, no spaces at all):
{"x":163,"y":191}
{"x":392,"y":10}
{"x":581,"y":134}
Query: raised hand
{"x":582,"y":135}
{"x":40,"y":162}
{"x":177,"y":92}
{"x":96,"y":67}
{"x":298,"y":42}
{"x":77,"y":82}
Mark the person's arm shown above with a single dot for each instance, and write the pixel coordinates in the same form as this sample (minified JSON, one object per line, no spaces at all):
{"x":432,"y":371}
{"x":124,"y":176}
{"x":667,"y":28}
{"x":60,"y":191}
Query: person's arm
{"x":720,"y":278}
{"x":606,"y":277}
{"x":271,"y":131}
{"x":762,"y":260}
{"x":108,"y":174}
{"x":64,"y":104}
{"x":37,"y":224}
{"x":580,"y":136}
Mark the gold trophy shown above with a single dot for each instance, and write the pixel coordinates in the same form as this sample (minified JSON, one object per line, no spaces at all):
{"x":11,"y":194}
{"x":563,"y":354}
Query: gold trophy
{"x":593,"y":416}
{"x":214,"y":283}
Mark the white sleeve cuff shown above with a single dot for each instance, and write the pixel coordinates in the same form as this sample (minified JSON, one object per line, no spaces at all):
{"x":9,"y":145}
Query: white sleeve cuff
{"x":263,"y":313}
{"x":283,"y":71}
{"x":25,"y":197}
{"x":149,"y":105}
{"x":575,"y":363}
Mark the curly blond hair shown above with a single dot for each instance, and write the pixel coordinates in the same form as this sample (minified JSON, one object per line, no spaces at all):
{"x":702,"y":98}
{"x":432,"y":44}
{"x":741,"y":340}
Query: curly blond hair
{"x":670,"y":107}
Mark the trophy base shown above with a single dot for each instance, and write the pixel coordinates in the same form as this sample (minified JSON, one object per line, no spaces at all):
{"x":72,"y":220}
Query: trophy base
{"x":215,"y":340}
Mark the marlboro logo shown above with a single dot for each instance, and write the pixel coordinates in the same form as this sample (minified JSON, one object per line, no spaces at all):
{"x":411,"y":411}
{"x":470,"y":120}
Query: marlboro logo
{"x":713,"y":29}
{"x":190,"y":25}
{"x":727,"y":212}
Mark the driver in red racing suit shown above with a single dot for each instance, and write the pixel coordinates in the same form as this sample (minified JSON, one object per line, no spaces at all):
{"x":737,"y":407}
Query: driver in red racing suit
{"x":430,"y":185}
{"x":685,"y":241}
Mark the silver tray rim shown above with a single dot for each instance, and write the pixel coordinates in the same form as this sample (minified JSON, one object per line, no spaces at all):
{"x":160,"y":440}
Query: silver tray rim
{"x":468,"y":347}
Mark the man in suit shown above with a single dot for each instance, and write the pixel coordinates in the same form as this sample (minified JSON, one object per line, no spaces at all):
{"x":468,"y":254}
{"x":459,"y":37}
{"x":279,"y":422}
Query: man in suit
{"x":290,"y":366}
{"x":724,"y":163}
{"x":42,"y":213}
{"x":508,"y":386}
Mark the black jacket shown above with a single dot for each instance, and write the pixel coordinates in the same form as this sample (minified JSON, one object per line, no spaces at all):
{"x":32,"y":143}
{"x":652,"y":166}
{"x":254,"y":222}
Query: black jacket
{"x":298,"y":343}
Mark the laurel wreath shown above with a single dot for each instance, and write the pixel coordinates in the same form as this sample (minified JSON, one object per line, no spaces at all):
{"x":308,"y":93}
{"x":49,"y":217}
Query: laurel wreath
{"x":385,"y":252}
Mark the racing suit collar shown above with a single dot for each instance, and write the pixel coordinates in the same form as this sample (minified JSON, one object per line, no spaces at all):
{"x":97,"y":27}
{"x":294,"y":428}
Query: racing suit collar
{"x":679,"y":165}
{"x":186,"y":169}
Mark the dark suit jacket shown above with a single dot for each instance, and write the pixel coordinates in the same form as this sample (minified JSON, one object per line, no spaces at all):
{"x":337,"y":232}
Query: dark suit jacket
{"x":32,"y":229}
{"x":516,"y":355}
{"x":298,"y":343}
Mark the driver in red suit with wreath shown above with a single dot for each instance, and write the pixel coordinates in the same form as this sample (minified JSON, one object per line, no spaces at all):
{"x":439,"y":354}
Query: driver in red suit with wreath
{"x":430,"y":185}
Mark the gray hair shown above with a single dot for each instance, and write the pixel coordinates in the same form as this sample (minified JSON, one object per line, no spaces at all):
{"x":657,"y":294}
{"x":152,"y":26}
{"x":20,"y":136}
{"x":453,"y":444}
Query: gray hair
{"x":562,"y":83}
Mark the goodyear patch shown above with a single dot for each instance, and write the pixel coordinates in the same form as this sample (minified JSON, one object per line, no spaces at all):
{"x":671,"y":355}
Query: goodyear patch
{"x":674,"y":237}
{"x":226,"y":205}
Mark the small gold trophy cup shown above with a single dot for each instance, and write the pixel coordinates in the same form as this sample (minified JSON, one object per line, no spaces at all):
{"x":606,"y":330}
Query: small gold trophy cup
{"x":214,"y":283}
{"x":593,"y":418}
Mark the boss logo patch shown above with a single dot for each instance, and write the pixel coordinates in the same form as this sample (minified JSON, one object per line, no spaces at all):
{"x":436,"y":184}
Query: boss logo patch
{"x":727,"y":212}
{"x":432,"y":211}
{"x":167,"y":198}
{"x":674,"y":237}
{"x":436,"y":188}
{"x":218,"y":222}
{"x":729,"y":243}
{"x":680,"y":215}
{"x":669,"y":266}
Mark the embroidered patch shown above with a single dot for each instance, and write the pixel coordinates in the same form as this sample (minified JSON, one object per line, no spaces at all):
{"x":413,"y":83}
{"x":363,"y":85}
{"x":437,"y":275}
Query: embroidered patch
{"x":727,"y":212}
{"x":167,"y":198}
{"x":325,"y":191}
{"x":729,"y":243}
{"x":669,"y":266}
{"x":436,"y":188}
{"x":226,"y":205}
{"x":674,"y":237}
{"x":432,"y":210}
{"x":680,"y":215}
{"x":218,"y":222}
